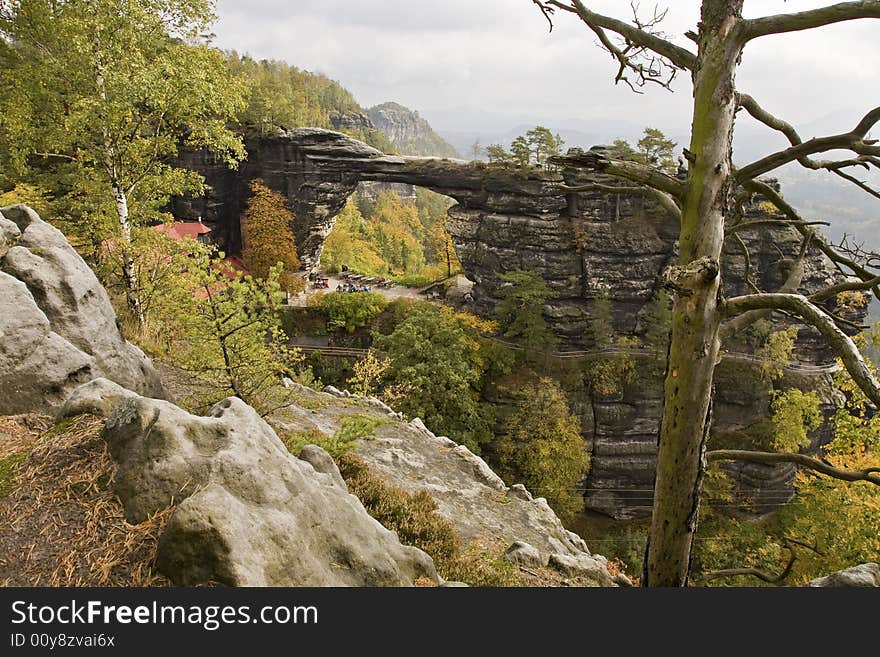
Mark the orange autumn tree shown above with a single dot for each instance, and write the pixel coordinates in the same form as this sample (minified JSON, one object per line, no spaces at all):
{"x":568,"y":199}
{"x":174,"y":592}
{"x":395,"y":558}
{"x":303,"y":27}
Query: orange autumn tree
{"x":267,"y":236}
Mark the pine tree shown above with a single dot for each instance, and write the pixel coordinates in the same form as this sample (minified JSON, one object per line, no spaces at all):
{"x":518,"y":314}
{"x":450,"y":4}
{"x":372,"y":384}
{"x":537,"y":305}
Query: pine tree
{"x":521,"y":310}
{"x":658,"y":323}
{"x":521,"y":152}
{"x":656,"y":150}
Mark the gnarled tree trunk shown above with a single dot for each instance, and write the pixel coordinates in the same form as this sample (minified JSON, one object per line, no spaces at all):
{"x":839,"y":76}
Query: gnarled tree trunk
{"x":696,"y":317}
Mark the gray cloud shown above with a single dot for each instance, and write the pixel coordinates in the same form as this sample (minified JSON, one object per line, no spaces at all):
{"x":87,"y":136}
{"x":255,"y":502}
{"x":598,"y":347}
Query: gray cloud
{"x":478,"y":63}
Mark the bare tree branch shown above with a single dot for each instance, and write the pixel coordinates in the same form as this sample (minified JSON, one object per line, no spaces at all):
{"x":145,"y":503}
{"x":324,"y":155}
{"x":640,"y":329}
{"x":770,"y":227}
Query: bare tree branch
{"x":547,"y":11}
{"x":747,"y":274}
{"x":597,"y":160}
{"x":849,"y":286}
{"x":754,"y":572}
{"x":852,"y":141}
{"x":759,"y":113}
{"x":56,"y":156}
{"x":787,"y":543}
{"x":757,"y":223}
{"x":871,"y":475}
{"x":839,"y":341}
{"x":678,"y":56}
{"x":858,"y":183}
{"x":666,"y":201}
{"x":806,"y":20}
{"x":821,"y":243}
{"x":790,"y":286}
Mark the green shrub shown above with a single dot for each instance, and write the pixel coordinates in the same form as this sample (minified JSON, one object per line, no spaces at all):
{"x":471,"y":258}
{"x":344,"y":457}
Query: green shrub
{"x":542,"y":448}
{"x":351,"y":310}
{"x":351,"y":429}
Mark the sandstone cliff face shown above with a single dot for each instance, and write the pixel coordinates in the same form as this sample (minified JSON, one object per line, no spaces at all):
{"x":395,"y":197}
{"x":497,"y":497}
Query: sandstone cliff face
{"x":410,"y":133}
{"x":581,"y":244}
{"x":317,"y":170}
{"x":57,"y":326}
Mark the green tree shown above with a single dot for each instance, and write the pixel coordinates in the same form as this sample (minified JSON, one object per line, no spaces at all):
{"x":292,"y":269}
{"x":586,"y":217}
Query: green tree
{"x":776,"y":351}
{"x":521,"y":152}
{"x":658,"y":323}
{"x":543,"y":144}
{"x":657,"y":151}
{"x":230,"y":340}
{"x":542,"y":448}
{"x":267,"y":236}
{"x":497,"y":154}
{"x":102,"y":94}
{"x":350,"y":311}
{"x":436,"y":358}
{"x":520,"y":310}
{"x":795,"y":413}
{"x":164,"y":272}
{"x":368,"y":373}
{"x":601,"y":322}
{"x":622,"y":150}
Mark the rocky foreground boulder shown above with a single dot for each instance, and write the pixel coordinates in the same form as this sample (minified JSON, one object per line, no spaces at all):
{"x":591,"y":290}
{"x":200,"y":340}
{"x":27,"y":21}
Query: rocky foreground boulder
{"x":863,"y":575}
{"x":58,"y":328}
{"x":479,"y":505}
{"x":246,"y":512}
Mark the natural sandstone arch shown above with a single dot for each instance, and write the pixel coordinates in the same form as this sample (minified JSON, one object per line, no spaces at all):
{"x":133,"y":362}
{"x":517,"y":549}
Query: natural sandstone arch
{"x":513,"y":219}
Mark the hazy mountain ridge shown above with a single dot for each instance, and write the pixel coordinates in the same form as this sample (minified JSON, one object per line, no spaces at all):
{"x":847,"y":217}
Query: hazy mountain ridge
{"x":410,"y":133}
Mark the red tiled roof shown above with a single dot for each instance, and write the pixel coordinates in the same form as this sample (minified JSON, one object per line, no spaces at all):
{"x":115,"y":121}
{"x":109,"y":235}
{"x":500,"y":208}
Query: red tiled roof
{"x":182,"y":229}
{"x":231,"y":266}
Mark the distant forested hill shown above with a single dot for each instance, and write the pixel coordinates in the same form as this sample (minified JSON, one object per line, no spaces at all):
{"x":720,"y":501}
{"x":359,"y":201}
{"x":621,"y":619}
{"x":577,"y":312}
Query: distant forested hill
{"x":282,"y":96}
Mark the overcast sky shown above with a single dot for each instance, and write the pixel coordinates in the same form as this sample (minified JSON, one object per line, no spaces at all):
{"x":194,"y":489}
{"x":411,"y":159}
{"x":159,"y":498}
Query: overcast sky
{"x":478,"y":64}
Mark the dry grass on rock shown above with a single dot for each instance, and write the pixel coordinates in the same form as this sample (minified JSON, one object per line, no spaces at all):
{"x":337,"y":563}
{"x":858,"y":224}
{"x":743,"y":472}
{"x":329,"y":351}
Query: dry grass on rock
{"x":60,"y":523}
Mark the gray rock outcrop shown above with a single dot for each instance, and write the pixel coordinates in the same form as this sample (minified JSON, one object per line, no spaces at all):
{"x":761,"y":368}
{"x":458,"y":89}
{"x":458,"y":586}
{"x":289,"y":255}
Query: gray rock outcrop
{"x":582,"y":565}
{"x":57,"y":326}
{"x":523,"y":554}
{"x":863,"y":575}
{"x":477,"y":503}
{"x":246,"y":511}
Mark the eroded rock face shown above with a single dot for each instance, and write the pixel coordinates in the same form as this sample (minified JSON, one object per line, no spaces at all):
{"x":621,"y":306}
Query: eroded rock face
{"x":409,"y":132}
{"x":863,"y":575}
{"x":317,"y":170}
{"x":57,"y":326}
{"x":468,"y":493}
{"x":247,"y":512}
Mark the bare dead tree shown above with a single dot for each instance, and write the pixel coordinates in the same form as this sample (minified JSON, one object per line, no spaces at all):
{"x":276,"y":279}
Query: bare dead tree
{"x":708,"y":204}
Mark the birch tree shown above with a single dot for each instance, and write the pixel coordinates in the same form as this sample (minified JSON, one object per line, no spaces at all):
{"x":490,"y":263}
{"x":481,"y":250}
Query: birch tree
{"x":705,"y":204}
{"x":101,"y":94}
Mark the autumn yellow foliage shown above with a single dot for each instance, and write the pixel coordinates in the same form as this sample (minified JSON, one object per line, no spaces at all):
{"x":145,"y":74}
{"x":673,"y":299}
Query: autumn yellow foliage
{"x":267,"y":236}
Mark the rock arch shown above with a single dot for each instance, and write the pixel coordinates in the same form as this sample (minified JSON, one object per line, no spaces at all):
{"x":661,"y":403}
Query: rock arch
{"x":581,"y":243}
